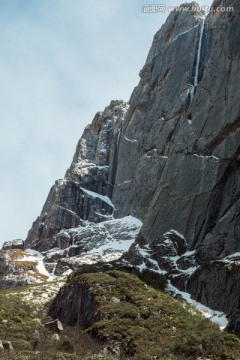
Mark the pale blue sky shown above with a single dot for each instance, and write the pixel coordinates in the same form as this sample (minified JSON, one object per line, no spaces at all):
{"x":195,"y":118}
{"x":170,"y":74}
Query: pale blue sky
{"x":61,"y":62}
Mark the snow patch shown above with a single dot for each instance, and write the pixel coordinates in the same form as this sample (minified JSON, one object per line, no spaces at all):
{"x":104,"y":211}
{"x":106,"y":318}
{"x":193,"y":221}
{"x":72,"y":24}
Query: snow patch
{"x":206,"y":157}
{"x":93,"y":194}
{"x":104,"y":241}
{"x":146,"y":255}
{"x":216,"y":317}
{"x":183,"y":33}
{"x":175,"y":232}
{"x":126,"y":138}
{"x":195,"y":82}
{"x":230,"y":259}
{"x":39,"y":258}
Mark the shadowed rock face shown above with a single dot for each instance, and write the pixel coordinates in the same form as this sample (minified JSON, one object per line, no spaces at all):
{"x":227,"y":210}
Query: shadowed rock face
{"x":217,"y":284}
{"x":75,"y":305}
{"x":173,"y":162}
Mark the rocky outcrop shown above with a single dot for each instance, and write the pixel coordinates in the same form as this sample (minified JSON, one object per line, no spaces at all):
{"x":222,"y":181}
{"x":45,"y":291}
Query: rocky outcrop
{"x":55,"y":326}
{"x":126,"y":315}
{"x":14,"y":244}
{"x":16,"y":270}
{"x":91,"y":243}
{"x":88,"y":244}
{"x":85,"y":192}
{"x":75,"y":305}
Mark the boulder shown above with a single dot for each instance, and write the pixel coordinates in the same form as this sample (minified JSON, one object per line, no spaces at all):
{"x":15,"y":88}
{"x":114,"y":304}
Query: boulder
{"x":14,"y":244}
{"x":234,"y":323}
{"x":7,"y":345}
{"x":55,"y":326}
{"x":55,"y":337}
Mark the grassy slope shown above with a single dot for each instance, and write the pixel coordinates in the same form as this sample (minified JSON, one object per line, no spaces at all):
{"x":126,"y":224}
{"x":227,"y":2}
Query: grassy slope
{"x":25,"y":310}
{"x":144,"y":322}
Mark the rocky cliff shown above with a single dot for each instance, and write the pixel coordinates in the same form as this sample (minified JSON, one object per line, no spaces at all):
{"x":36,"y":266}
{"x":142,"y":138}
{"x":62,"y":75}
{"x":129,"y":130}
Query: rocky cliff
{"x":190,"y":115}
{"x":170,"y":159}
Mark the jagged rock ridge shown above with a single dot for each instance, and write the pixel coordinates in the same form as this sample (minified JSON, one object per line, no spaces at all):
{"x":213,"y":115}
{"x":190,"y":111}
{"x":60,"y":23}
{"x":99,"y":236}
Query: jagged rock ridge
{"x":84,"y":192}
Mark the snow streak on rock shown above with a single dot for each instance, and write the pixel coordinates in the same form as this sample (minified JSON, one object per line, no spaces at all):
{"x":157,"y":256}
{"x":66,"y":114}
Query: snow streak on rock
{"x":195,"y":82}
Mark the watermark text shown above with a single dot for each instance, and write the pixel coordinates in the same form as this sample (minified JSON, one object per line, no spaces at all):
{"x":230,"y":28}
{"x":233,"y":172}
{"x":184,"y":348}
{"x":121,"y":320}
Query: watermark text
{"x":163,"y":8}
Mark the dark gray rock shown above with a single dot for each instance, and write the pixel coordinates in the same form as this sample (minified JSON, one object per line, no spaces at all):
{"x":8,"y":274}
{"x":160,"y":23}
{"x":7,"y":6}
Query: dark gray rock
{"x":74,"y":305}
{"x":52,"y":256}
{"x":50,"y":267}
{"x":4,"y":263}
{"x":63,"y":240}
{"x":64,"y":265}
{"x":217,"y":285}
{"x":54,"y":325}
{"x":234,"y":323}
{"x":7,"y":345}
{"x":157,"y":110}
{"x":92,"y":243}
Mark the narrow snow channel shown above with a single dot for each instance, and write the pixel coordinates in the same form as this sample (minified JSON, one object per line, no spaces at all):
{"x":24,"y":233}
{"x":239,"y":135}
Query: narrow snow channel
{"x":40,"y":267}
{"x":195,"y":82}
{"x":96,"y":195}
{"x":216,"y":317}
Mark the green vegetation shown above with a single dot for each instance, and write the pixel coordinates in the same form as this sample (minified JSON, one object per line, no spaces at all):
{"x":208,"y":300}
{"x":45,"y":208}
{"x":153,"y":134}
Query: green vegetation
{"x":149,"y":324}
{"x":22,"y":323}
{"x":15,"y":315}
{"x":135,"y":319}
{"x":151,"y":278}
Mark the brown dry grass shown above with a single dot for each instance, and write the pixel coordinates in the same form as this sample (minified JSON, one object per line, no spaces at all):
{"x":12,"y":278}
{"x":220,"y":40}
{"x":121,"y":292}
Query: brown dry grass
{"x":17,"y":253}
{"x":25,"y":263}
{"x":37,"y":275}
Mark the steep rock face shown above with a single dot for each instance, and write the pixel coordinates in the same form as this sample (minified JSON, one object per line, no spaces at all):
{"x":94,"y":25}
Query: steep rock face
{"x":75,"y":305}
{"x":217,"y":284}
{"x":83,"y":194}
{"x":199,"y":189}
{"x":157,"y":112}
{"x":197,"y":195}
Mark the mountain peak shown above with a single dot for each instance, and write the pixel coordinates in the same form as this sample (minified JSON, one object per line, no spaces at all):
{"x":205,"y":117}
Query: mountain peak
{"x":169,"y":160}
